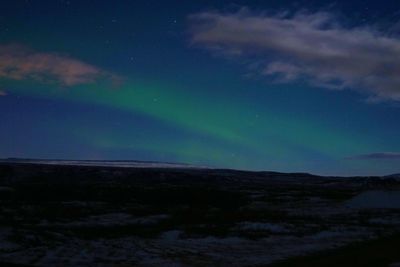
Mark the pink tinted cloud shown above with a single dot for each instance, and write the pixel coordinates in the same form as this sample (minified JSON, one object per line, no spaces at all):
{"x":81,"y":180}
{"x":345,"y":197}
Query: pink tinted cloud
{"x":2,"y":93}
{"x":19,"y":63}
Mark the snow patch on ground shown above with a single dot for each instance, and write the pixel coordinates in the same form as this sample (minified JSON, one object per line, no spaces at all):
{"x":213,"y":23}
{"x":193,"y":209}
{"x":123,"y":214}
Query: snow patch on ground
{"x":258,"y":226}
{"x":112,"y":220}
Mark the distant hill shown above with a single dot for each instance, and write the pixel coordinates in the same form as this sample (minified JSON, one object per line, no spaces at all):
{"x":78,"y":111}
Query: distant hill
{"x":395,"y":176}
{"x":102,"y":163}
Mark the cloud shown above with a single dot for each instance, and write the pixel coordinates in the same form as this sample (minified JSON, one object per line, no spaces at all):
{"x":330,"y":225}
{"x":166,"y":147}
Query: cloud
{"x":311,"y":47}
{"x":378,"y":155}
{"x":19,"y":63}
{"x":2,"y":93}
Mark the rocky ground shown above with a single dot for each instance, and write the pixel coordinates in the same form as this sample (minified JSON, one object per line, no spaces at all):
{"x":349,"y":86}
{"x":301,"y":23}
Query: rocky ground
{"x":52,"y":215}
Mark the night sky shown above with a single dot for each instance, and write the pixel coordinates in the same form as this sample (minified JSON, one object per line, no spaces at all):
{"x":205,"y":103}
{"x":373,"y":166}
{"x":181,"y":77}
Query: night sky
{"x":292,"y":86}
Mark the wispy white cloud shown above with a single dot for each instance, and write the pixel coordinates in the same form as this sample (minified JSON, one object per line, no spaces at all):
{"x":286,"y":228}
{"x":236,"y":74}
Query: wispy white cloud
{"x":309,"y":46}
{"x":19,"y":63}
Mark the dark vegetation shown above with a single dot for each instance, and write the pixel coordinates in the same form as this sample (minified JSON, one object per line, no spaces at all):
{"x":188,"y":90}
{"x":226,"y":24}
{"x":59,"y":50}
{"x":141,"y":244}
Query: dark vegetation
{"x":372,"y":253}
{"x":74,"y":202}
{"x":201,"y":202}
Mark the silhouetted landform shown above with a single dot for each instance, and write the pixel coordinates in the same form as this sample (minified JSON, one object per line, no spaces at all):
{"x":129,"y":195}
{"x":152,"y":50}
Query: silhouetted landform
{"x":79,"y":215}
{"x":102,"y":163}
{"x":395,"y":176}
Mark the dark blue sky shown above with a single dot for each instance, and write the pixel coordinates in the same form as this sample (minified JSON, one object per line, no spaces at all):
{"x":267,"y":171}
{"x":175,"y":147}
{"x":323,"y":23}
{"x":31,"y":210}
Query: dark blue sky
{"x":273,"y":85}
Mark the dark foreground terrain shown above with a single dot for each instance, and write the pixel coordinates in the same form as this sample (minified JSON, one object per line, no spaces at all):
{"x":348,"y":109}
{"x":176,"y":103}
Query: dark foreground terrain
{"x":54,"y":215}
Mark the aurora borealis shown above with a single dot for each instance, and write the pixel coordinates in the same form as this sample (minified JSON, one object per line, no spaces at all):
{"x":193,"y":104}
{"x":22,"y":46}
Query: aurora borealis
{"x":172,"y":82}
